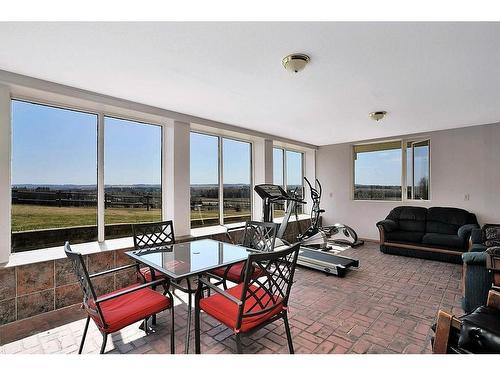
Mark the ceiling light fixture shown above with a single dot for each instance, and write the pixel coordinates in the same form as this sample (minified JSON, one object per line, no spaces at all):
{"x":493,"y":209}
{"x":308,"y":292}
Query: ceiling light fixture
{"x":295,"y":62}
{"x":378,"y":115}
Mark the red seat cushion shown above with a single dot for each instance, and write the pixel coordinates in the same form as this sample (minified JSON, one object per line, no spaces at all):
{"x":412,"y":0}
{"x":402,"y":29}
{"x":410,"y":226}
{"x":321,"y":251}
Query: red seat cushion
{"x":235,"y":273}
{"x":132,"y":307}
{"x":226,"y":311}
{"x":146,"y":273}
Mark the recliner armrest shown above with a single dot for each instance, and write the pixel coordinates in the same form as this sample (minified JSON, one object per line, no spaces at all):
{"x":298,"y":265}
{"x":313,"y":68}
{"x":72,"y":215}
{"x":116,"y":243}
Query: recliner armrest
{"x":475,"y":258}
{"x":388,"y":225}
{"x":465,"y":231}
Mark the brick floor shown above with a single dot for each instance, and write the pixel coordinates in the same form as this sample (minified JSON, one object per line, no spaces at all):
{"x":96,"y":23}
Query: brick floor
{"x":386,"y":306}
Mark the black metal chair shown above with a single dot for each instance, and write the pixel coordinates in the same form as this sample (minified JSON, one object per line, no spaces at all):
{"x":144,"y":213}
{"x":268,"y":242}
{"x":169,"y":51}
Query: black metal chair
{"x":147,"y":235}
{"x":259,"y":236}
{"x":158,"y":234}
{"x":113,"y":311}
{"x":254,"y":303}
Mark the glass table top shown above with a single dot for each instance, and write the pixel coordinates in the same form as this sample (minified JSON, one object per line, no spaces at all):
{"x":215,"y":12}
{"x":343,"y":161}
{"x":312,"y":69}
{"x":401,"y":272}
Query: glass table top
{"x":190,"y":258}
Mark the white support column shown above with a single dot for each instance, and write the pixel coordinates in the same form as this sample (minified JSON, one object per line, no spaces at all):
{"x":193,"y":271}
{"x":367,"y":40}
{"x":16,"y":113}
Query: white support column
{"x":263,"y":171}
{"x":310,"y":173}
{"x":5,"y":166}
{"x":176,"y":180}
{"x":100,"y":178}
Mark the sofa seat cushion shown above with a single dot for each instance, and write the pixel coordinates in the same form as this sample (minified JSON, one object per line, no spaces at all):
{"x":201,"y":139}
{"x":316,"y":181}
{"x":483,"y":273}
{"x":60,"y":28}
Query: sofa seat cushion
{"x":403,"y":236}
{"x":449,"y":241}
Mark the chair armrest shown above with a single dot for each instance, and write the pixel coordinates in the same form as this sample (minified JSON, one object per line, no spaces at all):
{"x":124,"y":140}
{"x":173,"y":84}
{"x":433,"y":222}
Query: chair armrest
{"x":464,"y":231}
{"x":475,"y":258}
{"x":388,"y":225}
{"x":476,"y":236}
{"x":136,"y":265}
{"x":219,"y":291}
{"x":130,"y":290}
{"x":444,"y":324}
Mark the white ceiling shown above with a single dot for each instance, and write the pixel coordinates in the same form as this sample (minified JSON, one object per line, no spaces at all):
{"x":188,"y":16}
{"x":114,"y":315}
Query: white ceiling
{"x":428,"y":76}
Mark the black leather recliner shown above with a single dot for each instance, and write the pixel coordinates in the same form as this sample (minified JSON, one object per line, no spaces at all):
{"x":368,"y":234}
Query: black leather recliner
{"x":438,"y":233}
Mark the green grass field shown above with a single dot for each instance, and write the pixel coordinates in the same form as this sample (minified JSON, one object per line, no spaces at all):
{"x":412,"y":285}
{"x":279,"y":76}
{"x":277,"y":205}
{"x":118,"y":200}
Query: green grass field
{"x":33,"y":217}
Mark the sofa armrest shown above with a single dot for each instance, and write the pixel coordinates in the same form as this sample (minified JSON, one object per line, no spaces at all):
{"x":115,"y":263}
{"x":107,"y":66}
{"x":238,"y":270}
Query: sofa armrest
{"x":476,"y":236}
{"x":388,"y":225}
{"x":476,"y":281}
{"x":465,"y":231}
{"x":475,"y":258}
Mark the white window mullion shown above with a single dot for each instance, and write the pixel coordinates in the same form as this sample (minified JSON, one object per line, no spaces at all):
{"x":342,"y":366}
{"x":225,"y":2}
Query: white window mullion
{"x":100,"y":178}
{"x":221,"y":182}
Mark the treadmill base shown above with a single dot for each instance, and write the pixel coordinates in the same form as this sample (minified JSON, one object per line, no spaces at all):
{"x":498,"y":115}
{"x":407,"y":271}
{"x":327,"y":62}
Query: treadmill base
{"x":323,"y":261}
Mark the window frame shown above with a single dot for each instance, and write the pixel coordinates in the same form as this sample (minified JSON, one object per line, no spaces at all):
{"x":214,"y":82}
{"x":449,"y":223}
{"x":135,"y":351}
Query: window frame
{"x":413,"y":141}
{"x":103,"y":169}
{"x":284,"y":166}
{"x":404,"y":184}
{"x":100,"y":140}
{"x":220,"y":158}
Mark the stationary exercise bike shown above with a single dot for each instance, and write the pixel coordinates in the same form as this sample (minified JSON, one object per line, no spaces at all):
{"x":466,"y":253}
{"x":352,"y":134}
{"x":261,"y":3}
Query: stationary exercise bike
{"x":318,"y":236}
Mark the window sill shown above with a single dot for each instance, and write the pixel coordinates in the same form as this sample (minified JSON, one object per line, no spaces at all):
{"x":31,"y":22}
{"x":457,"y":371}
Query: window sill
{"x":54,"y":253}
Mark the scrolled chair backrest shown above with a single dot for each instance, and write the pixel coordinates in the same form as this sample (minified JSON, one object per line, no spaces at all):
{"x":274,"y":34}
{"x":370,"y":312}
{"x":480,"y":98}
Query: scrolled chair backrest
{"x":272,"y":288}
{"x":260,"y":236}
{"x":153,"y":234}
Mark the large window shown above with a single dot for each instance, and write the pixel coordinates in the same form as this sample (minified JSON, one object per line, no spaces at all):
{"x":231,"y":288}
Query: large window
{"x":54,"y":176}
{"x":237,"y":176}
{"x":418,"y":170}
{"x":220,"y":164}
{"x":132,"y":175}
{"x":378,"y":170}
{"x":204,"y":168}
{"x":288,"y":171}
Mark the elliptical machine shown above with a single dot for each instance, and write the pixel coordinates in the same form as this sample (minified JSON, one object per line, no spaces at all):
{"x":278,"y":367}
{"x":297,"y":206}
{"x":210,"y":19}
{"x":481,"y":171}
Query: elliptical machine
{"x":318,"y":236}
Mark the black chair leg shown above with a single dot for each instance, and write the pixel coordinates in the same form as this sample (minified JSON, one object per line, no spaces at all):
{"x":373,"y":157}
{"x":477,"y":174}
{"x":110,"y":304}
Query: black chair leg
{"x":188,"y":328}
{"x":239,"y":347}
{"x":104,"y":341}
{"x":153,"y":320}
{"x":288,"y":334}
{"x":172,"y":329}
{"x":84,"y":335}
{"x":197,"y":344}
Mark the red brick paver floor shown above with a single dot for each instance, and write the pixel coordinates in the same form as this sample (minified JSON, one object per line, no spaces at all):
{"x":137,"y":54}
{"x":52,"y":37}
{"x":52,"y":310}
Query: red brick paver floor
{"x":386,"y":306}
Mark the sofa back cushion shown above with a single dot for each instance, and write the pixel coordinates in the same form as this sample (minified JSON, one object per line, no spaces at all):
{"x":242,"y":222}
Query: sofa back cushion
{"x":447,"y":220}
{"x":409,"y":218}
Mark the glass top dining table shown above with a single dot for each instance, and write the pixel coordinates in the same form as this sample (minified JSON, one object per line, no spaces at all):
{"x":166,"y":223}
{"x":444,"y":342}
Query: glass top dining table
{"x":187,"y":259}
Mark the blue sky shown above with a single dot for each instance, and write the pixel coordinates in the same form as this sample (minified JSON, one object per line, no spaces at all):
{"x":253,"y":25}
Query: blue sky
{"x":204,"y":160}
{"x":57,"y":146}
{"x":378,"y":168}
{"x":53,"y":146}
{"x":385,"y":167}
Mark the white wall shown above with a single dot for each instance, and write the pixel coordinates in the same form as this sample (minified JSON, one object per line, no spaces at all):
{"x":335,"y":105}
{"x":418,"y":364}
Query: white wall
{"x":463,"y":161}
{"x":5,"y":192}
